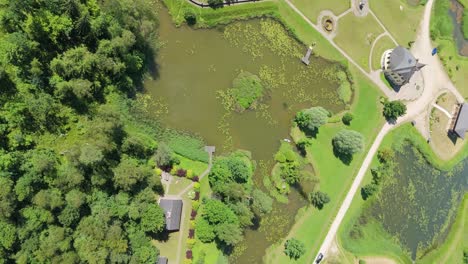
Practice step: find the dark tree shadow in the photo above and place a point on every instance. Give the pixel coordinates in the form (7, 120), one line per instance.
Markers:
(311, 133)
(300, 189)
(344, 157)
(162, 236)
(255, 223)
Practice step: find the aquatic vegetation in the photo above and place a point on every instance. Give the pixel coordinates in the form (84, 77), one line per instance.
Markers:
(271, 77)
(187, 146)
(246, 90)
(417, 204)
(279, 40)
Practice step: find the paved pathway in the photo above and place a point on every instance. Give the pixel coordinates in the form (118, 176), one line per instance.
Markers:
(377, 81)
(210, 150)
(373, 46)
(435, 79)
(352, 191)
(443, 110)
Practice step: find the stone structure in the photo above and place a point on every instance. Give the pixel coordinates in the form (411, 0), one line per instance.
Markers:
(399, 65)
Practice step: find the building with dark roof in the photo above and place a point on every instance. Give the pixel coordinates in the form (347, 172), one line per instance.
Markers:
(161, 260)
(399, 65)
(461, 124)
(173, 212)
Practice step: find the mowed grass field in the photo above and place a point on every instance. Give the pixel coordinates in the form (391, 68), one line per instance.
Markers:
(402, 24)
(383, 44)
(355, 36)
(312, 8)
(335, 177)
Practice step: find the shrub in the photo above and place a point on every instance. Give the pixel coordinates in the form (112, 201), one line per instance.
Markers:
(188, 254)
(195, 178)
(158, 171)
(215, 3)
(344, 92)
(193, 214)
(189, 174)
(196, 186)
(191, 241)
(192, 224)
(190, 17)
(294, 248)
(348, 142)
(181, 173)
(319, 199)
(368, 190)
(393, 109)
(246, 89)
(385, 155)
(355, 232)
(303, 144)
(195, 205)
(347, 118)
(197, 196)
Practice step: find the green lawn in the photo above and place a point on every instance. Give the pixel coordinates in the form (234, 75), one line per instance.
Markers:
(197, 167)
(312, 9)
(178, 184)
(169, 247)
(380, 47)
(402, 24)
(356, 35)
(335, 177)
(306, 34)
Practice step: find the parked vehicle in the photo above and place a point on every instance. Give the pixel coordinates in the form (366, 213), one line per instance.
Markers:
(319, 258)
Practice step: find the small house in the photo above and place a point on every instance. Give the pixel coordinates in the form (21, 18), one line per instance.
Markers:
(461, 122)
(173, 212)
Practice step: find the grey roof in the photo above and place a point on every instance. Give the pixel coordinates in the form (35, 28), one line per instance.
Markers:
(404, 63)
(161, 260)
(461, 125)
(173, 212)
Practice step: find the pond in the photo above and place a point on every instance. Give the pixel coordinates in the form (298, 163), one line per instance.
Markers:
(419, 203)
(456, 13)
(193, 65)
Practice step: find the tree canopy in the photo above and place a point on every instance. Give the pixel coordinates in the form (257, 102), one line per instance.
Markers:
(348, 142)
(294, 248)
(394, 109)
(75, 181)
(312, 118)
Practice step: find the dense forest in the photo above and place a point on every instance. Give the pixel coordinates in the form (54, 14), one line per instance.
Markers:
(76, 179)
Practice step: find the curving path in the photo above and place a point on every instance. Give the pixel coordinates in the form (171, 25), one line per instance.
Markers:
(373, 46)
(210, 150)
(389, 93)
(440, 108)
(436, 79)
